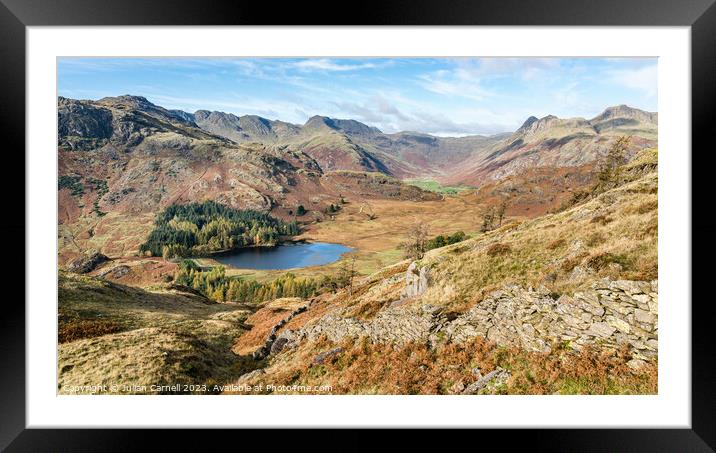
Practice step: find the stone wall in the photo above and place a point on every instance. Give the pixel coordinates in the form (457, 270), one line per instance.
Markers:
(274, 344)
(609, 314)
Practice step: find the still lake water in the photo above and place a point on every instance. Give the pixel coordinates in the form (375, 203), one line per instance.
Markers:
(284, 256)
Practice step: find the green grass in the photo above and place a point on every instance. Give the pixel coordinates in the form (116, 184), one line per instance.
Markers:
(590, 386)
(433, 186)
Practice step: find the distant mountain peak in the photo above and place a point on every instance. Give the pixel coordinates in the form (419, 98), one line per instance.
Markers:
(529, 122)
(623, 110)
(134, 101)
(534, 124)
(626, 112)
(350, 126)
(256, 125)
(619, 110)
(319, 121)
(130, 102)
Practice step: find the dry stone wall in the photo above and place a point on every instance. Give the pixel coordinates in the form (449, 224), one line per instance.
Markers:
(274, 344)
(609, 314)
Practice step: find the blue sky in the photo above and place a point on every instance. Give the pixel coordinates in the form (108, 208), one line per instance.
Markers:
(441, 96)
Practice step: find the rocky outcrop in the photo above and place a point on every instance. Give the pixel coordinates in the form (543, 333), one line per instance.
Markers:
(81, 125)
(610, 314)
(116, 272)
(87, 263)
(416, 281)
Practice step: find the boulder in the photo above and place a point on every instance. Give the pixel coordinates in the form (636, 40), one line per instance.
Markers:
(631, 287)
(278, 345)
(489, 382)
(260, 353)
(116, 272)
(87, 263)
(580, 273)
(323, 357)
(619, 324)
(636, 364)
(416, 281)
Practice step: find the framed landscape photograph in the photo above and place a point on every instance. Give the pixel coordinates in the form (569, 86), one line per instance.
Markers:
(402, 252)
(240, 226)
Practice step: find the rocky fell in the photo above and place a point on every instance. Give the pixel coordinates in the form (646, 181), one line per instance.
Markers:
(350, 145)
(339, 144)
(123, 157)
(556, 142)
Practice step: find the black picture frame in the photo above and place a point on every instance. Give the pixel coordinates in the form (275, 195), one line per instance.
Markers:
(16, 15)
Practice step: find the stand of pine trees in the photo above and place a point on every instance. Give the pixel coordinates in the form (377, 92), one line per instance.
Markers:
(215, 285)
(197, 229)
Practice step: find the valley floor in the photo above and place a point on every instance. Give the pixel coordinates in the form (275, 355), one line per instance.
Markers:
(377, 241)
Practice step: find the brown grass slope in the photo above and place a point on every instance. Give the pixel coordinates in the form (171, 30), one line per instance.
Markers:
(112, 334)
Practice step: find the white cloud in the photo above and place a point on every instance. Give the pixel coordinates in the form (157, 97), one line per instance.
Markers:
(468, 77)
(324, 64)
(643, 79)
(525, 68)
(388, 117)
(453, 83)
(249, 68)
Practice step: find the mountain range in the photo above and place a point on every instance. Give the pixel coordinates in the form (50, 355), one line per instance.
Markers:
(345, 144)
(125, 154)
(123, 159)
(349, 144)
